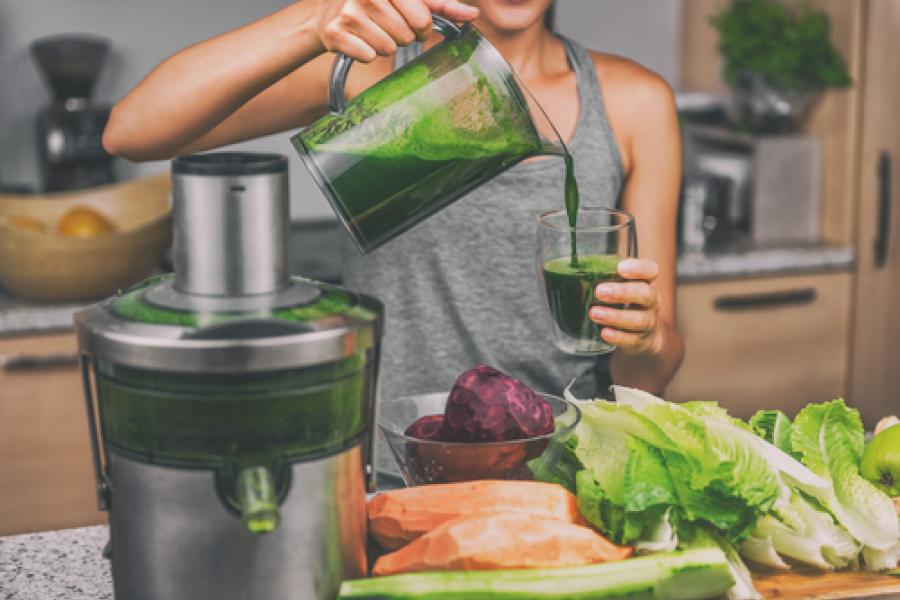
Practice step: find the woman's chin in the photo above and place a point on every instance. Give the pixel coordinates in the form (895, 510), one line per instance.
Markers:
(512, 15)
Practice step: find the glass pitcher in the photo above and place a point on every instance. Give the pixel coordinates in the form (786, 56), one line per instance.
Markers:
(422, 137)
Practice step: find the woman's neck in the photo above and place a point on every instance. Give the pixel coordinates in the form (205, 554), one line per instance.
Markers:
(527, 50)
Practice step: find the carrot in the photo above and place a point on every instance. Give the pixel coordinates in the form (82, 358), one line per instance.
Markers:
(501, 541)
(400, 516)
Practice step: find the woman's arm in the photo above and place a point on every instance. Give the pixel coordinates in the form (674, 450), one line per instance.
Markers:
(643, 115)
(263, 77)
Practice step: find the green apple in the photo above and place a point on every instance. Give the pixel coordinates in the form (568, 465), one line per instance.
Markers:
(881, 461)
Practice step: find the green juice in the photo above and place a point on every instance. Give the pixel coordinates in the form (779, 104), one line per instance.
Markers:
(234, 419)
(570, 291)
(382, 197)
(572, 202)
(420, 139)
(423, 137)
(228, 419)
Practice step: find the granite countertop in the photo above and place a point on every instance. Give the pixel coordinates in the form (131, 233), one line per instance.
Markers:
(744, 261)
(65, 564)
(22, 317)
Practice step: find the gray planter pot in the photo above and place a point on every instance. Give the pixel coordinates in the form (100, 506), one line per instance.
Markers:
(764, 108)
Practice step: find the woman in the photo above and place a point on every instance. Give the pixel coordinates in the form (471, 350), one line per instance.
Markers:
(460, 287)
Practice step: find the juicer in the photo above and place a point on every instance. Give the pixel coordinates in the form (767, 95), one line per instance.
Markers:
(231, 406)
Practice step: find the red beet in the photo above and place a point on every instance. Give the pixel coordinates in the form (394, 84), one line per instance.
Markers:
(425, 428)
(486, 405)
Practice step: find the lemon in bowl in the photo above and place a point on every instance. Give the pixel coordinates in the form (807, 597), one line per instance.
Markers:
(84, 222)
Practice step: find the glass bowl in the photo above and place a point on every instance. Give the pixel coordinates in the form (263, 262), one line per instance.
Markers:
(429, 461)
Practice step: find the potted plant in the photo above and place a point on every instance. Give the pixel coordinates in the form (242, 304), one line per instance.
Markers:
(777, 62)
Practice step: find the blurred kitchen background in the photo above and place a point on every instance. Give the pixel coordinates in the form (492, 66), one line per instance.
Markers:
(789, 266)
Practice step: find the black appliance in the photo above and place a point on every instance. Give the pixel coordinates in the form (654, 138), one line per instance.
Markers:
(703, 213)
(70, 129)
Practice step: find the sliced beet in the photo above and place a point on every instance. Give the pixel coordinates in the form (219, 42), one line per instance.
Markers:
(425, 428)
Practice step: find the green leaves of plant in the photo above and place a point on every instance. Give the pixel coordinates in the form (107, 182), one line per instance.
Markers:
(793, 52)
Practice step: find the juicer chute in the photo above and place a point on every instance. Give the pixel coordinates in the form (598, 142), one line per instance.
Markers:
(230, 400)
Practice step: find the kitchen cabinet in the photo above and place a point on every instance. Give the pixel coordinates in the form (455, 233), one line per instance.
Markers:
(875, 365)
(46, 473)
(778, 342)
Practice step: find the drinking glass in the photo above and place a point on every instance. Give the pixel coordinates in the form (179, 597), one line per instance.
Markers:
(602, 238)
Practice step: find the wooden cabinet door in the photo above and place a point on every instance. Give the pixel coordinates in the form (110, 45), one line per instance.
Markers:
(46, 473)
(875, 373)
(775, 342)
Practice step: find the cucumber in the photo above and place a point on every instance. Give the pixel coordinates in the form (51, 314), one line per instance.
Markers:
(687, 575)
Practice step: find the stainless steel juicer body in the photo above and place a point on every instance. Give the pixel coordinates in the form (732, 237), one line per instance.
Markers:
(231, 406)
(171, 538)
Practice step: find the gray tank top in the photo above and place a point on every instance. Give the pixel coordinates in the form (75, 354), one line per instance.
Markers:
(461, 287)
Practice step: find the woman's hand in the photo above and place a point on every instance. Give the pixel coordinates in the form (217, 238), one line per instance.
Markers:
(633, 329)
(364, 29)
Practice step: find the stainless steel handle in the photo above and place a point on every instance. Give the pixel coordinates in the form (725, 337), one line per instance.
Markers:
(103, 494)
(883, 234)
(27, 362)
(342, 63)
(369, 467)
(778, 299)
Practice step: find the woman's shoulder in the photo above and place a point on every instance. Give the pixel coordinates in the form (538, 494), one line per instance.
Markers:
(622, 76)
(638, 101)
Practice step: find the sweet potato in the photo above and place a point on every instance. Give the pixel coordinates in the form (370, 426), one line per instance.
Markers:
(501, 541)
(400, 516)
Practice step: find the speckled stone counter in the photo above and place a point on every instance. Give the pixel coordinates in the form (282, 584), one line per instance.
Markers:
(742, 262)
(22, 317)
(55, 565)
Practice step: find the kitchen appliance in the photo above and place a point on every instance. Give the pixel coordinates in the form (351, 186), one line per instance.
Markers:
(70, 129)
(775, 181)
(703, 218)
(422, 137)
(232, 429)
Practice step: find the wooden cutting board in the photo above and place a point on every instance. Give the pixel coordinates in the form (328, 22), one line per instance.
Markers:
(816, 585)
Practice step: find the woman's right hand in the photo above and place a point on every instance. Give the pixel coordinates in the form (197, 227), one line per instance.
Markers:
(364, 29)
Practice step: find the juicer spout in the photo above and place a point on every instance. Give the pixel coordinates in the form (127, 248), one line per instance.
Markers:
(257, 498)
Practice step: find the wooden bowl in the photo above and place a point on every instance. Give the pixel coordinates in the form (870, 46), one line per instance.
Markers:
(47, 265)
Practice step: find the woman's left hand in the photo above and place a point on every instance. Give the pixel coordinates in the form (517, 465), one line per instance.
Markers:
(633, 329)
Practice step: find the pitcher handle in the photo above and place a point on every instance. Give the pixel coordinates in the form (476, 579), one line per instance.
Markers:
(341, 67)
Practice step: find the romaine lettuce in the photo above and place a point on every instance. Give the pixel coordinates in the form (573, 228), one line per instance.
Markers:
(829, 438)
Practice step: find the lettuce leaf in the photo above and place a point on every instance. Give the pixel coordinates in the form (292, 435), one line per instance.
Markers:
(804, 533)
(653, 474)
(705, 537)
(773, 426)
(719, 477)
(829, 438)
(625, 489)
(882, 560)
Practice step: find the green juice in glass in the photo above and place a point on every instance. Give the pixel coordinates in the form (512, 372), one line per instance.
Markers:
(570, 295)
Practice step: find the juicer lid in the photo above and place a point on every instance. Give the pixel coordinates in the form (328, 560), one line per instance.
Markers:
(135, 329)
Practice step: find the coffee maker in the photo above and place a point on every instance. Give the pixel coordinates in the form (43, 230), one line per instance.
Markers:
(70, 129)
(231, 406)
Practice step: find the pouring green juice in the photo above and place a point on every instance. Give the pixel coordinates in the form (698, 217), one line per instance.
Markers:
(424, 136)
(427, 134)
